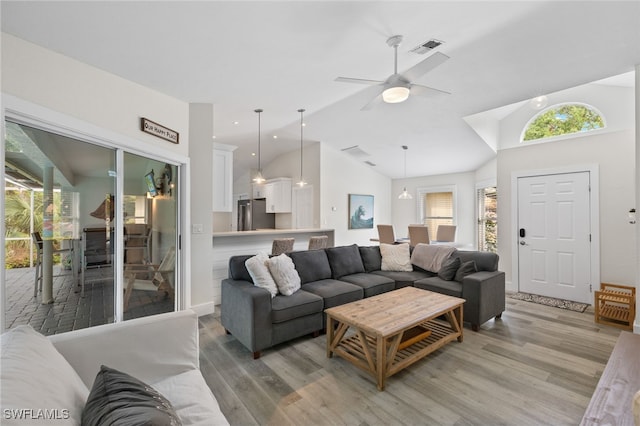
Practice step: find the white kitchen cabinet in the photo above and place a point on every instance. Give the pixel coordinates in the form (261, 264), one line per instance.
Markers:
(278, 195)
(222, 178)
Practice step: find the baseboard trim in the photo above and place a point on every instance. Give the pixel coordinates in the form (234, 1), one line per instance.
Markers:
(204, 308)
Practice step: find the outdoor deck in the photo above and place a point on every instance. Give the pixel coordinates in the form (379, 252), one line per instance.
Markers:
(69, 311)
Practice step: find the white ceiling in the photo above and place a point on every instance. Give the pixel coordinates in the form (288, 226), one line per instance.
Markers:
(282, 56)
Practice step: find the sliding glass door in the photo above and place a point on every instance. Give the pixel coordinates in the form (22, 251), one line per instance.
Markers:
(150, 212)
(87, 227)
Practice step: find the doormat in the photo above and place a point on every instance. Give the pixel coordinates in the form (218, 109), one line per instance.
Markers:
(549, 301)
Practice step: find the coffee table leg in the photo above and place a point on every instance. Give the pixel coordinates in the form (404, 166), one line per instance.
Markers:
(380, 361)
(330, 336)
(458, 313)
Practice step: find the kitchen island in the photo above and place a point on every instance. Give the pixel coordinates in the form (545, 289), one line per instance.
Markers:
(232, 243)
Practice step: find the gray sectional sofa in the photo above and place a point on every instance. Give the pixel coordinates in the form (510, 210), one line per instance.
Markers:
(337, 275)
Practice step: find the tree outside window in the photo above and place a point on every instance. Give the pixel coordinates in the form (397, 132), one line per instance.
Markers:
(563, 120)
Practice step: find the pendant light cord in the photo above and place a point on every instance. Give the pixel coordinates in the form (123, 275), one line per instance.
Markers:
(301, 111)
(259, 111)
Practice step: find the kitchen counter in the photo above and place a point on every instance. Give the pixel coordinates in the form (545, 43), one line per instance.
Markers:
(271, 232)
(231, 243)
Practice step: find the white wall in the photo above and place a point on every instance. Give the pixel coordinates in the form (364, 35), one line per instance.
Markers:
(614, 153)
(51, 86)
(342, 175)
(200, 152)
(62, 84)
(405, 212)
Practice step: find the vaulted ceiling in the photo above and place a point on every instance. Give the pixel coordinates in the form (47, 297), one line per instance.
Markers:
(285, 55)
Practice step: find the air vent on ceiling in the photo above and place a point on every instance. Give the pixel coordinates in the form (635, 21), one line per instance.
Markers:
(428, 46)
(356, 151)
(370, 163)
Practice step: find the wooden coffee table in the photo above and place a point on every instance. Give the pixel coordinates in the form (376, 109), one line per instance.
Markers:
(393, 330)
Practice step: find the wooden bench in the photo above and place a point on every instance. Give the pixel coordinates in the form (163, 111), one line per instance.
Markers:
(612, 401)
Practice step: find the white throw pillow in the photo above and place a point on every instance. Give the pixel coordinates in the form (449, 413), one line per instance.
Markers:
(395, 257)
(259, 272)
(37, 381)
(284, 273)
(192, 399)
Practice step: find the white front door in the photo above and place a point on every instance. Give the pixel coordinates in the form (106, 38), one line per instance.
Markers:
(554, 236)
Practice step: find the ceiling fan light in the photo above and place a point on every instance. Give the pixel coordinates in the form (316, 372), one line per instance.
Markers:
(395, 94)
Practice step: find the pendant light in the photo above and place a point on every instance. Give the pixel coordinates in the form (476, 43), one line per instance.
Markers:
(301, 183)
(258, 177)
(404, 195)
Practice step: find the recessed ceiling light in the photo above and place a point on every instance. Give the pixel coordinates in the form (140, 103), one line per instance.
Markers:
(213, 137)
(253, 154)
(236, 122)
(275, 136)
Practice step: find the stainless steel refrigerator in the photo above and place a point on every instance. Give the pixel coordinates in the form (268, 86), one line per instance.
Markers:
(252, 214)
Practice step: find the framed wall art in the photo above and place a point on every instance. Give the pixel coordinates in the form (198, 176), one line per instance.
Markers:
(360, 211)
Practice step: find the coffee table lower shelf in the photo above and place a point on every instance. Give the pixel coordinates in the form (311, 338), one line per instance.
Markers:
(396, 357)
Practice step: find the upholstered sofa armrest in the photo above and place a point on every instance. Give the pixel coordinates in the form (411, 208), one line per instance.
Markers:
(484, 292)
(149, 348)
(246, 313)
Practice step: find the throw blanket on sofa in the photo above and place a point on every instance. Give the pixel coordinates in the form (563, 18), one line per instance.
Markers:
(430, 257)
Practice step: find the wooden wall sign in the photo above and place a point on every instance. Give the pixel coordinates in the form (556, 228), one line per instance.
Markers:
(158, 130)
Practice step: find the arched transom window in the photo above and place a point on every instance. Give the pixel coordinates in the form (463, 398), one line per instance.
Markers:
(561, 120)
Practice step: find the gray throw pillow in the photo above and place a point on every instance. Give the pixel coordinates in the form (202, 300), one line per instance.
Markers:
(345, 260)
(465, 269)
(371, 258)
(449, 268)
(116, 398)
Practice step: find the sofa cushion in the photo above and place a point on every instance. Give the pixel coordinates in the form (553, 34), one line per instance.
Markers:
(237, 268)
(299, 304)
(334, 292)
(284, 274)
(449, 268)
(485, 260)
(118, 398)
(465, 269)
(431, 257)
(345, 260)
(437, 284)
(312, 265)
(259, 272)
(371, 258)
(35, 375)
(404, 278)
(192, 399)
(372, 284)
(395, 257)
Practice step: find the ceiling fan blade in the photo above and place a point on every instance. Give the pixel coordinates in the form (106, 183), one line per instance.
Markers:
(358, 80)
(377, 100)
(420, 90)
(421, 68)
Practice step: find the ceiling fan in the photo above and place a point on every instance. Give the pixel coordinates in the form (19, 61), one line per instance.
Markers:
(397, 87)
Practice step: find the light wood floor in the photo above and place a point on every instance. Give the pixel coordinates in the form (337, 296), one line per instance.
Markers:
(538, 365)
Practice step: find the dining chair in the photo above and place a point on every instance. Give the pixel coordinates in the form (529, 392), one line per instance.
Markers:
(282, 245)
(38, 242)
(386, 235)
(97, 253)
(318, 242)
(446, 233)
(150, 277)
(418, 234)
